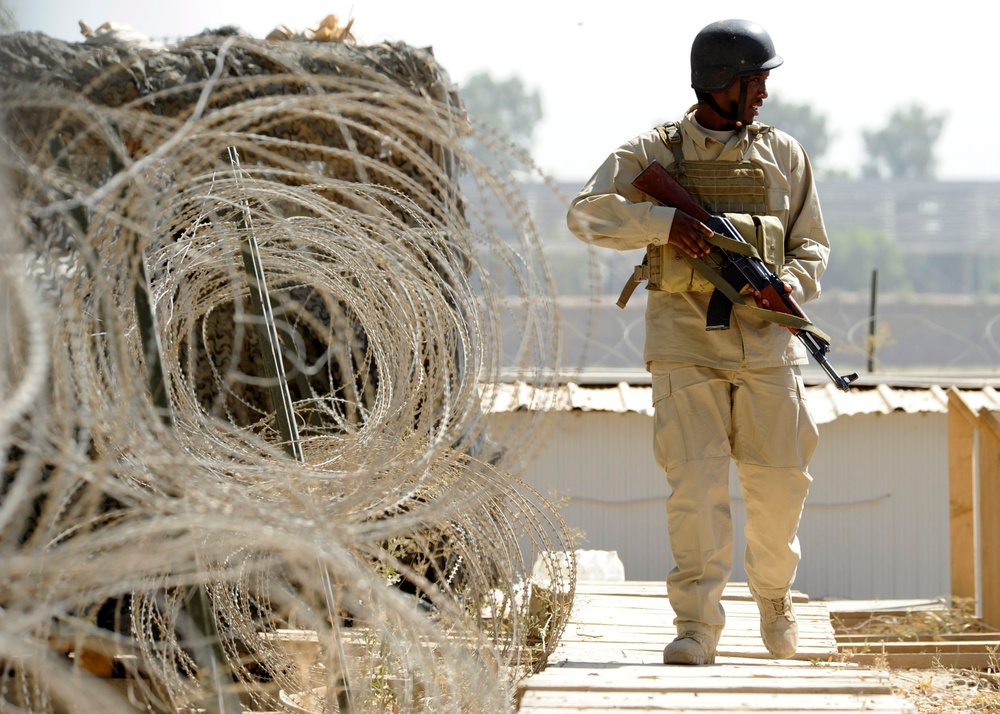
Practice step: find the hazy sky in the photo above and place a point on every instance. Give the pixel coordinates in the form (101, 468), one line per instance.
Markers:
(609, 70)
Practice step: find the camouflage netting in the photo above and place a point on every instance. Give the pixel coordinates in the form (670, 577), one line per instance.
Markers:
(254, 296)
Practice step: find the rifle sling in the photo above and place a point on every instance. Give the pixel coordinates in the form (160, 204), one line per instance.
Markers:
(725, 294)
(728, 291)
(639, 274)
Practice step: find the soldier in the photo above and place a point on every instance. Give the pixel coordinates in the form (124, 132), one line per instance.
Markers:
(722, 394)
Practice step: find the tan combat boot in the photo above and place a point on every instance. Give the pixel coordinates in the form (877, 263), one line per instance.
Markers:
(778, 627)
(692, 647)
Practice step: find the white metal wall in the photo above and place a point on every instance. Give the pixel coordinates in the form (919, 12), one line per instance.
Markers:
(877, 519)
(875, 524)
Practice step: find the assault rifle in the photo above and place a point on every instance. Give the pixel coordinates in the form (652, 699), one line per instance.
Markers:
(738, 265)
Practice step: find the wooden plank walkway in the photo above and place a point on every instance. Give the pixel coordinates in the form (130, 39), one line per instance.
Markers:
(611, 658)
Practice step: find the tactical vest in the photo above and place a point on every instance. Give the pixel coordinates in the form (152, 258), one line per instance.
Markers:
(737, 189)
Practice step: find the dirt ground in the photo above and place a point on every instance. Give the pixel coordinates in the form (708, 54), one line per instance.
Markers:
(945, 691)
(940, 690)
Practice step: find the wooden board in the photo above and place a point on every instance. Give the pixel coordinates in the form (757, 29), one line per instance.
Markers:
(961, 495)
(611, 657)
(987, 639)
(989, 510)
(569, 701)
(926, 660)
(728, 675)
(927, 647)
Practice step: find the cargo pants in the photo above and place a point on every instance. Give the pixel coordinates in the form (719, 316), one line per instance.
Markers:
(703, 418)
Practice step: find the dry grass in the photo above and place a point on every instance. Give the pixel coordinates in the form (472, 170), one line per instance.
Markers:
(947, 691)
(923, 624)
(939, 690)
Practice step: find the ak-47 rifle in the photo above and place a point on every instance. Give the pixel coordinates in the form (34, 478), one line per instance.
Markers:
(739, 265)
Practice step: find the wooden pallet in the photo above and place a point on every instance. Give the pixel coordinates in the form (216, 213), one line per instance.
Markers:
(961, 650)
(610, 657)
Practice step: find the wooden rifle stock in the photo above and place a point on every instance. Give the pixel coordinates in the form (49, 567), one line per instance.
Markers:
(659, 183)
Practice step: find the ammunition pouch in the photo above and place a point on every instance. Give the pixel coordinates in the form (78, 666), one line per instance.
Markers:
(737, 190)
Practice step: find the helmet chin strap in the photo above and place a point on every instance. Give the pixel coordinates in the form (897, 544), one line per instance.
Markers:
(741, 106)
(736, 111)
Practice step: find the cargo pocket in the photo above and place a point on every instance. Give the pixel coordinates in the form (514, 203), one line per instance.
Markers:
(663, 414)
(661, 387)
(770, 236)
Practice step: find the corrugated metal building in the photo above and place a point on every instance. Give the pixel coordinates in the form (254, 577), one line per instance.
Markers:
(876, 523)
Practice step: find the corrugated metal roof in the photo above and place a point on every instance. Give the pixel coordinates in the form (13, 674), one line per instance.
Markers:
(827, 403)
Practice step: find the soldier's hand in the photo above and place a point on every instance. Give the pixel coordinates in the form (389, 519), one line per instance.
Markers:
(687, 234)
(764, 303)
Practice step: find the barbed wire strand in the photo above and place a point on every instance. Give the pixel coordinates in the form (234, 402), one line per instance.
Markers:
(149, 512)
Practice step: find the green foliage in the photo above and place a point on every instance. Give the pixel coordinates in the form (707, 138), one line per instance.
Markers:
(856, 252)
(800, 121)
(8, 19)
(904, 148)
(965, 272)
(507, 106)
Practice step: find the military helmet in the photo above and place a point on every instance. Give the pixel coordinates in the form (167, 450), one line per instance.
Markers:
(727, 49)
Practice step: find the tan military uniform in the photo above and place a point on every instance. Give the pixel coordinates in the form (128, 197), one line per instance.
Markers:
(720, 394)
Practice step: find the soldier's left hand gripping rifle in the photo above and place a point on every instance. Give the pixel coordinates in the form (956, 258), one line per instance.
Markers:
(737, 264)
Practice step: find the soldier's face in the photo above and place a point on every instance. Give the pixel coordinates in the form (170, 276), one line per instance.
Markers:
(756, 94)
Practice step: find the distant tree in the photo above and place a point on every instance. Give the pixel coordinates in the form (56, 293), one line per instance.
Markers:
(802, 122)
(507, 106)
(857, 251)
(904, 148)
(8, 21)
